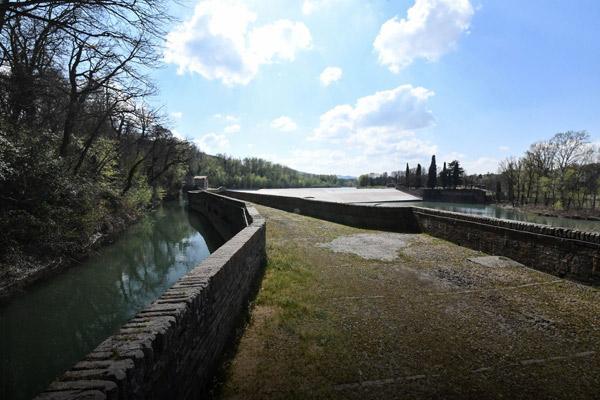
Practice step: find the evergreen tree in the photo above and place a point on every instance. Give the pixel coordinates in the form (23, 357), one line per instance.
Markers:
(407, 176)
(418, 176)
(444, 177)
(432, 178)
(457, 173)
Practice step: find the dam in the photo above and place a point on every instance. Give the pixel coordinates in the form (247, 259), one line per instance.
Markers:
(172, 347)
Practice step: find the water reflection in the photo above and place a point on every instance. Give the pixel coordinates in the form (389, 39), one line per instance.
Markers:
(56, 323)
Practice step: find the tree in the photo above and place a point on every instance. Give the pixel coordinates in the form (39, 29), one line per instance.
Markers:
(572, 150)
(444, 176)
(498, 191)
(418, 176)
(104, 45)
(507, 169)
(407, 176)
(432, 177)
(457, 173)
(363, 180)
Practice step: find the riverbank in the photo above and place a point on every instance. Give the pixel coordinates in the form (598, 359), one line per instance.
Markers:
(586, 214)
(351, 313)
(19, 268)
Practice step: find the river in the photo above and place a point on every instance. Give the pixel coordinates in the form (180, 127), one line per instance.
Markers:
(502, 213)
(45, 331)
(397, 198)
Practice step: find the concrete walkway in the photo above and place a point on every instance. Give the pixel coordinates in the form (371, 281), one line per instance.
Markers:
(353, 314)
(342, 195)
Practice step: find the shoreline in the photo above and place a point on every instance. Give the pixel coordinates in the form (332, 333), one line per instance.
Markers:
(33, 270)
(585, 215)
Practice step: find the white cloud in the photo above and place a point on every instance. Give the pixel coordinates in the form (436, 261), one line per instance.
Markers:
(310, 6)
(229, 118)
(178, 114)
(323, 161)
(481, 166)
(232, 128)
(330, 75)
(448, 158)
(382, 123)
(177, 134)
(217, 43)
(212, 143)
(504, 148)
(430, 29)
(284, 124)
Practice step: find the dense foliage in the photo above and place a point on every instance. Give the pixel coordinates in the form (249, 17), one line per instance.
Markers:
(81, 152)
(562, 173)
(251, 173)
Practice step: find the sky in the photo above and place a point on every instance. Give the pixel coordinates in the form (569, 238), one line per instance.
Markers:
(350, 87)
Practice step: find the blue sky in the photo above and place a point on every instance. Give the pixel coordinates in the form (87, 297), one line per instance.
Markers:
(352, 87)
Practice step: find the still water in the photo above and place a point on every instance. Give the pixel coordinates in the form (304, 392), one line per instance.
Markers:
(57, 322)
(502, 213)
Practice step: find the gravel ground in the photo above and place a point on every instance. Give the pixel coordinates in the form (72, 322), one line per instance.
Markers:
(345, 313)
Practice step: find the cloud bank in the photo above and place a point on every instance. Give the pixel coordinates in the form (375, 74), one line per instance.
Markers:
(381, 123)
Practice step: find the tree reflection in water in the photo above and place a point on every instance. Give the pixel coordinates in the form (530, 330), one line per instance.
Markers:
(56, 323)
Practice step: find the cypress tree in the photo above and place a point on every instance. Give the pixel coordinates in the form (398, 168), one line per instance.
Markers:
(418, 176)
(432, 178)
(444, 176)
(407, 176)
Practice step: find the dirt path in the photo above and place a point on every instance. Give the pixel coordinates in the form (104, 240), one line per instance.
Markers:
(348, 313)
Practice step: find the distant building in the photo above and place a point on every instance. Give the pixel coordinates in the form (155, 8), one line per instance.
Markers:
(201, 182)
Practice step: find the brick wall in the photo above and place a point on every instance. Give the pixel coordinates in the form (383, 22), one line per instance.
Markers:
(172, 348)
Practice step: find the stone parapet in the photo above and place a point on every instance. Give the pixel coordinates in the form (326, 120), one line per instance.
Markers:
(562, 252)
(172, 348)
(393, 219)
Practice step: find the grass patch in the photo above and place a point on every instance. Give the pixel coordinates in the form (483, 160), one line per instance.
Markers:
(335, 325)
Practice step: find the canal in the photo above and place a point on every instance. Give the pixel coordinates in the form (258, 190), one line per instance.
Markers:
(45, 331)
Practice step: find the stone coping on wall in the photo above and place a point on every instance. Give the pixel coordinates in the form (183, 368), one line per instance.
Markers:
(172, 348)
(566, 233)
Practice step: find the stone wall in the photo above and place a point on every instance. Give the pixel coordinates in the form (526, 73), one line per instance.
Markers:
(393, 219)
(172, 348)
(227, 216)
(469, 196)
(562, 252)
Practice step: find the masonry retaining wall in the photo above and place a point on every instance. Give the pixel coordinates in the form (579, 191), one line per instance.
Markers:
(171, 349)
(393, 219)
(562, 252)
(470, 196)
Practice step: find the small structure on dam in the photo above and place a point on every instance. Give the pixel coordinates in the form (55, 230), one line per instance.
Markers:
(201, 182)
